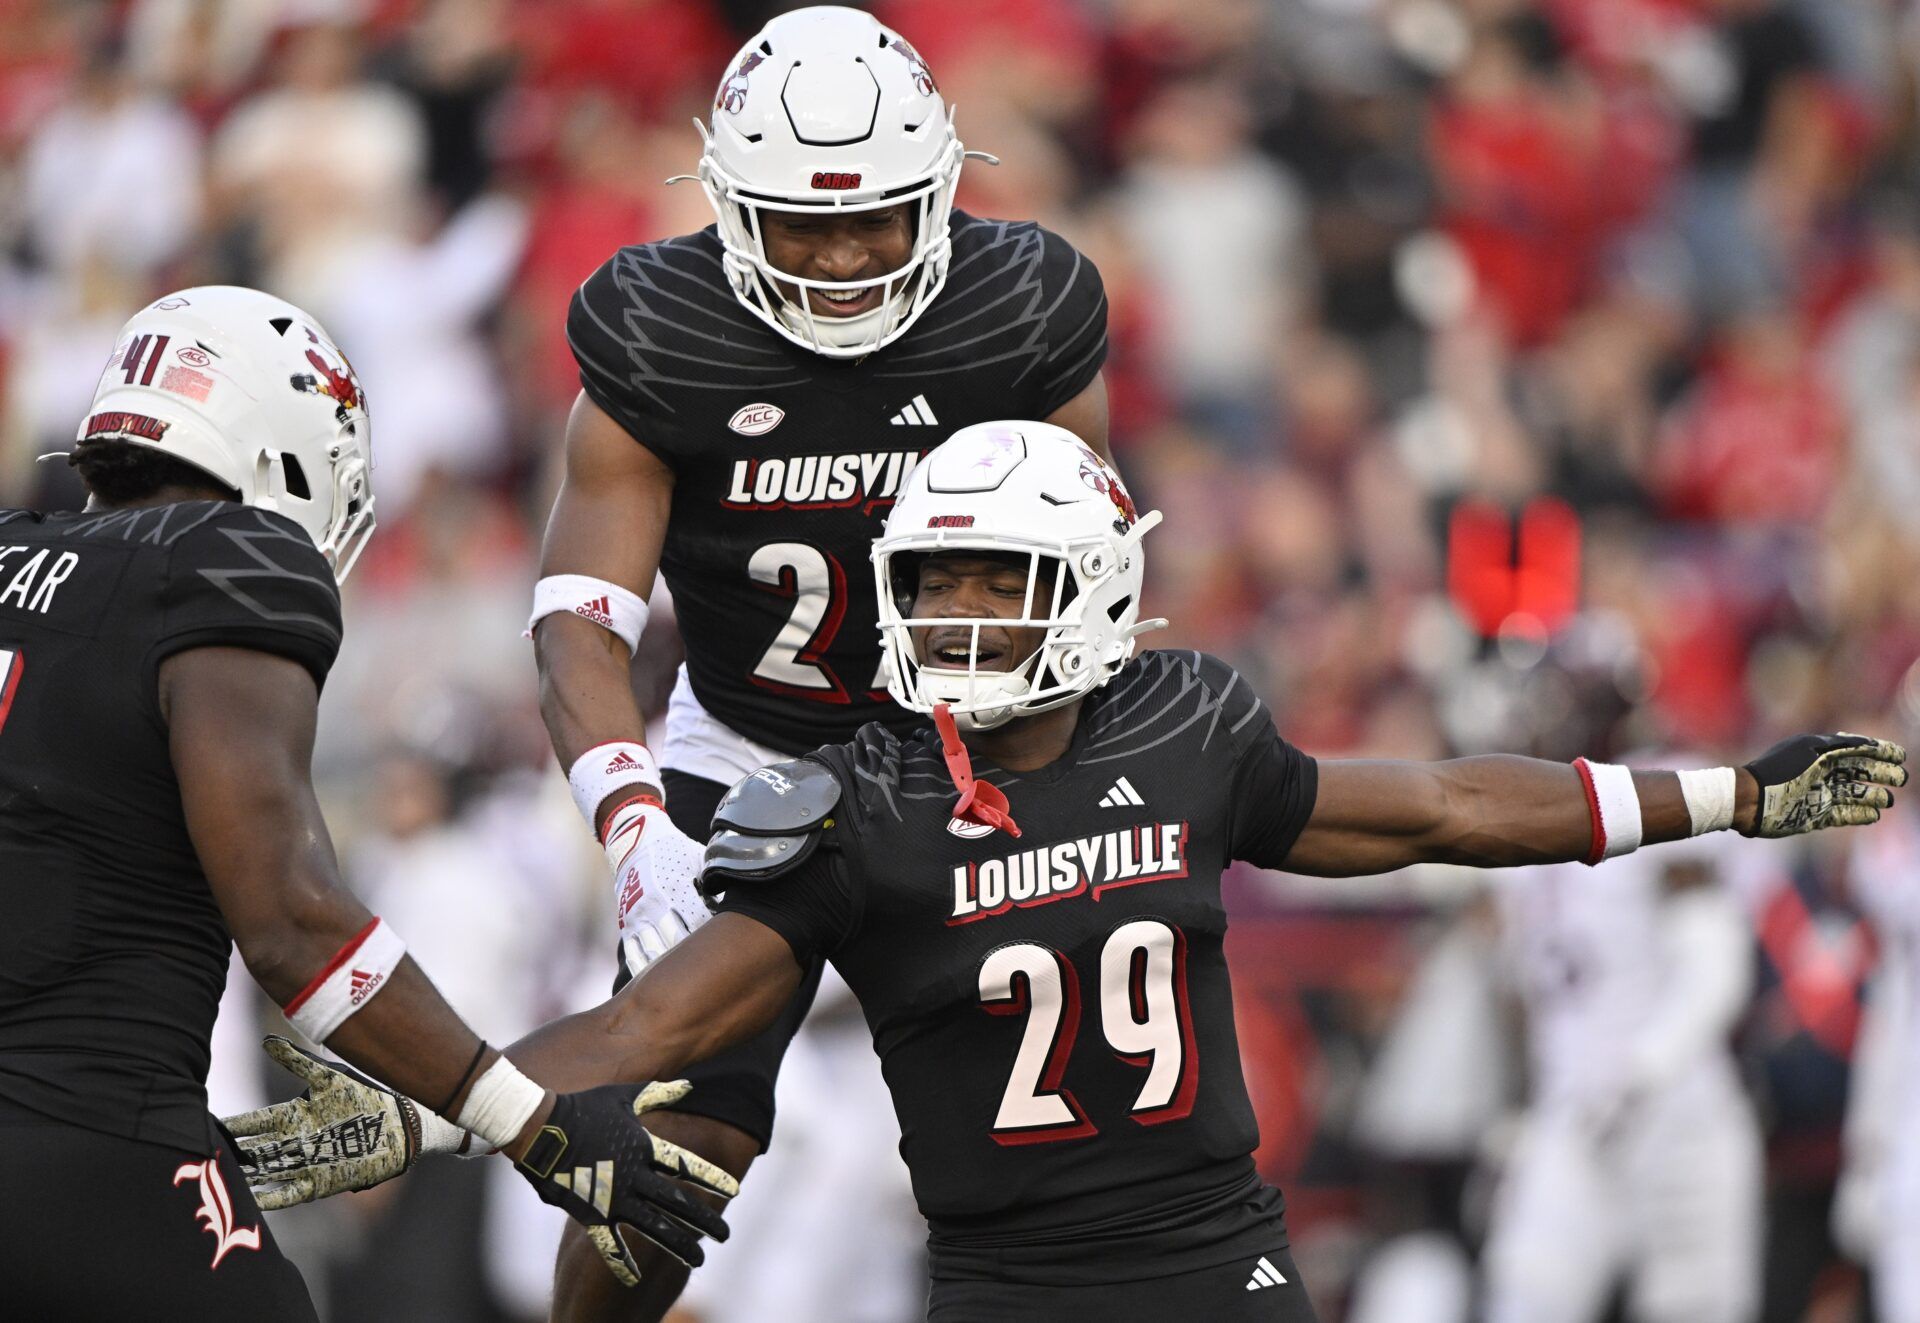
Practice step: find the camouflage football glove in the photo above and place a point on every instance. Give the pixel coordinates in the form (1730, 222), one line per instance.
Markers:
(344, 1133)
(1815, 781)
(593, 1159)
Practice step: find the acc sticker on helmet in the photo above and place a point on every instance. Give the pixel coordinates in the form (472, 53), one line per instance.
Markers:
(757, 419)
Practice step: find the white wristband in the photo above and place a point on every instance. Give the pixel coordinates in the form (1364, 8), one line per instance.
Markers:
(1709, 794)
(607, 605)
(500, 1104)
(605, 768)
(357, 971)
(1615, 806)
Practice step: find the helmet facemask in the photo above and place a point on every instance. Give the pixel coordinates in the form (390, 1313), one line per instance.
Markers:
(905, 292)
(1074, 592)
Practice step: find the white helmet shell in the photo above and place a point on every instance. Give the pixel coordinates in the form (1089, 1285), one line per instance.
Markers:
(250, 390)
(1031, 489)
(826, 110)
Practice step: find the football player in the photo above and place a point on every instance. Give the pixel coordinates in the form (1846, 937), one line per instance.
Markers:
(754, 396)
(1024, 893)
(1640, 1158)
(161, 657)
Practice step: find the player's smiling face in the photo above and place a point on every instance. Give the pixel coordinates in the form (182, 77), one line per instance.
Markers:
(843, 247)
(978, 585)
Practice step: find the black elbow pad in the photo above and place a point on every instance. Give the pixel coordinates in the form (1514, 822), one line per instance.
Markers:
(769, 824)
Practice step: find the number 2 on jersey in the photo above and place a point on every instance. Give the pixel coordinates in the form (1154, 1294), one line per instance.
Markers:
(1143, 1013)
(792, 664)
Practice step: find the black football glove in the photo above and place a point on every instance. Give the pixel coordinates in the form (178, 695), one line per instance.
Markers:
(596, 1161)
(1813, 781)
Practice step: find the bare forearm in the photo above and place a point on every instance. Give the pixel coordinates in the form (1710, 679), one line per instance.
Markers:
(586, 687)
(715, 990)
(1487, 812)
(607, 524)
(404, 1032)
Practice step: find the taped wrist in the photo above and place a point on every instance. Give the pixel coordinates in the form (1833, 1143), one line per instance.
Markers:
(1709, 794)
(438, 1135)
(500, 1104)
(606, 604)
(606, 768)
(1615, 807)
(357, 971)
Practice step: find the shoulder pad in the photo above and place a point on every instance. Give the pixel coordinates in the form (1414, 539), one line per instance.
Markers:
(770, 823)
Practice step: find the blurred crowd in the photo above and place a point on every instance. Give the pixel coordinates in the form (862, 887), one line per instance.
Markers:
(1521, 374)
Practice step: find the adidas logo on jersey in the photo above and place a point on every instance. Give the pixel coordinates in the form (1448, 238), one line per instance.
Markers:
(917, 414)
(599, 611)
(1265, 1275)
(363, 983)
(1155, 852)
(820, 482)
(1123, 795)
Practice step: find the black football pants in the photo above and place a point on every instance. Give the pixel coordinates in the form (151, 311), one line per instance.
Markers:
(98, 1228)
(1257, 1289)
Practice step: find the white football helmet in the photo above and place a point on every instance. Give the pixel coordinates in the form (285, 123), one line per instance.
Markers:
(249, 389)
(1032, 489)
(828, 110)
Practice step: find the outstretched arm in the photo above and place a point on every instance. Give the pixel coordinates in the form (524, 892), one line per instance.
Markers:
(1499, 810)
(1487, 812)
(240, 726)
(720, 987)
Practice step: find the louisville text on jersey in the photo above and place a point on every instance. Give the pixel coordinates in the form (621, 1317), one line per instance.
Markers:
(1153, 852)
(869, 478)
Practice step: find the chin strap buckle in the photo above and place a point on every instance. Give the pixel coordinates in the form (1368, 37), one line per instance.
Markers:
(979, 802)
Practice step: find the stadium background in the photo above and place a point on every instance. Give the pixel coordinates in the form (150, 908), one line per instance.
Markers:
(1521, 375)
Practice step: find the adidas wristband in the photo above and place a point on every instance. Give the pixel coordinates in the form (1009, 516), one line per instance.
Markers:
(607, 605)
(606, 768)
(1615, 806)
(357, 971)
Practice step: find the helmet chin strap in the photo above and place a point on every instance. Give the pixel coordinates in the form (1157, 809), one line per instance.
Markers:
(980, 802)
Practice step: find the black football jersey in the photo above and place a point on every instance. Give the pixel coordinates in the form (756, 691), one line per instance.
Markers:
(785, 461)
(113, 953)
(1052, 1011)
